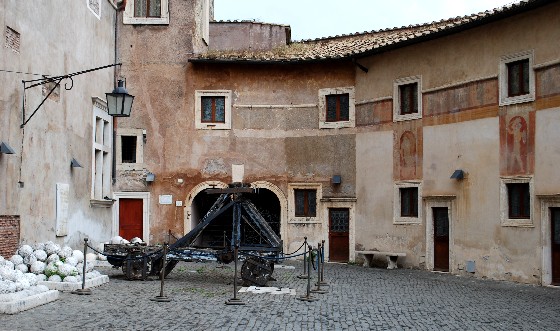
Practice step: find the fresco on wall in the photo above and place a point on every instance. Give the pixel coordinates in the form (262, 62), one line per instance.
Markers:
(517, 144)
(407, 152)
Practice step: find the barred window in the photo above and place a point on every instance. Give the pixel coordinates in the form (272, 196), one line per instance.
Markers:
(128, 149)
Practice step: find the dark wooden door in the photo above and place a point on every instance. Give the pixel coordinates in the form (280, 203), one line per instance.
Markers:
(339, 243)
(441, 238)
(555, 244)
(130, 218)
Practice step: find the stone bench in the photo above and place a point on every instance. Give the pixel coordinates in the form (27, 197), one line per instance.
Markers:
(391, 257)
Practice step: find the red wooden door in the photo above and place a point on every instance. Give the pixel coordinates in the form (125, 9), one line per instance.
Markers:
(555, 244)
(441, 238)
(339, 243)
(130, 218)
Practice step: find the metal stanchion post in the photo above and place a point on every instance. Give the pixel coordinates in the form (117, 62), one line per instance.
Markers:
(83, 290)
(161, 297)
(304, 275)
(235, 300)
(322, 281)
(319, 264)
(308, 297)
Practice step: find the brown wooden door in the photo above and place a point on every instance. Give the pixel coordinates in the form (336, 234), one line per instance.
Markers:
(441, 238)
(130, 218)
(339, 243)
(555, 244)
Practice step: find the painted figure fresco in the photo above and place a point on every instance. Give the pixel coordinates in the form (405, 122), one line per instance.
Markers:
(408, 155)
(517, 145)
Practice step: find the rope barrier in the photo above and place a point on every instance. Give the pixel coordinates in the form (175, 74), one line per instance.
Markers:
(297, 250)
(272, 258)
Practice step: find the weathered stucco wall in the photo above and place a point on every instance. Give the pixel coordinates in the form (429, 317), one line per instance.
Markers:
(228, 36)
(462, 127)
(469, 55)
(275, 133)
(53, 42)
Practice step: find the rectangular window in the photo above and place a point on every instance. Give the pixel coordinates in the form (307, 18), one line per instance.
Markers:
(518, 78)
(408, 95)
(147, 8)
(409, 201)
(101, 152)
(305, 203)
(128, 149)
(213, 109)
(519, 202)
(338, 107)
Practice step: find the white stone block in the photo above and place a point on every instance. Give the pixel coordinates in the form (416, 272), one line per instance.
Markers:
(32, 301)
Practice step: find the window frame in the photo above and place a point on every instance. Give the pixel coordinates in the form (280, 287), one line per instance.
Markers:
(338, 107)
(411, 191)
(139, 134)
(503, 78)
(397, 84)
(505, 217)
(323, 122)
(101, 167)
(129, 18)
(306, 205)
(213, 98)
(199, 124)
(292, 187)
(397, 203)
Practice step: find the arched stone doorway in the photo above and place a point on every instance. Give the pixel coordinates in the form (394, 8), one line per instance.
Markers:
(268, 198)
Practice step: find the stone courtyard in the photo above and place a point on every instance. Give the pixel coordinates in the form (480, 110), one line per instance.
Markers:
(358, 298)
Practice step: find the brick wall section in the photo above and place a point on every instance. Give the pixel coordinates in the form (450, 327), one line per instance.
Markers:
(12, 39)
(9, 234)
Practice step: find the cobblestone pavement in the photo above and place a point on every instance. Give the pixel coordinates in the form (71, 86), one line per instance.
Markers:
(358, 299)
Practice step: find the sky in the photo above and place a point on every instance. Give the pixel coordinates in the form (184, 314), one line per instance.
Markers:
(310, 19)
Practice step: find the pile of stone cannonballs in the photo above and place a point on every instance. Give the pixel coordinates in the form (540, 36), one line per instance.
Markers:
(43, 262)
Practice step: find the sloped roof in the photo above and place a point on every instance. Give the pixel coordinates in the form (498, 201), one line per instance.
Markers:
(365, 43)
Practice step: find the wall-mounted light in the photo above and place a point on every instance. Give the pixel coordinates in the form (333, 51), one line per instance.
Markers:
(336, 179)
(75, 164)
(119, 102)
(458, 174)
(150, 177)
(6, 149)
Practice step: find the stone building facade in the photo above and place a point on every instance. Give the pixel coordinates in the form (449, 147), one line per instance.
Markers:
(436, 141)
(353, 139)
(41, 196)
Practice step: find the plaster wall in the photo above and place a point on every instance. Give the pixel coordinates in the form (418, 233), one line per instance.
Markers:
(469, 55)
(547, 154)
(499, 252)
(374, 208)
(275, 132)
(230, 36)
(56, 38)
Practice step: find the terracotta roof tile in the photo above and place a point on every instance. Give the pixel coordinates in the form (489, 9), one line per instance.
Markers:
(346, 46)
